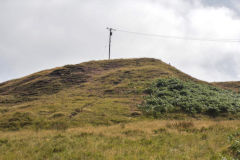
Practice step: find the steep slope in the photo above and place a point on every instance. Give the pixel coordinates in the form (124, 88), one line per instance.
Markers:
(96, 92)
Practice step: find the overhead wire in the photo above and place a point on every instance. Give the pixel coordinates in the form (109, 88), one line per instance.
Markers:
(179, 37)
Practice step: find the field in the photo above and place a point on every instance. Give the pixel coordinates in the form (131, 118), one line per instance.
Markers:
(147, 139)
(92, 111)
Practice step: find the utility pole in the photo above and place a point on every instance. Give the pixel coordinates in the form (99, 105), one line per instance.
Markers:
(110, 41)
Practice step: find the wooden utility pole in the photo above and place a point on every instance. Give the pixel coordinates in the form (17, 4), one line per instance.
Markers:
(110, 41)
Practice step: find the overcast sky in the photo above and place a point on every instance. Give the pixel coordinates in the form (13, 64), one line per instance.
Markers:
(42, 34)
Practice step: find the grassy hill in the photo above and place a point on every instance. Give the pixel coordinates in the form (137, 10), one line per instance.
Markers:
(234, 86)
(96, 92)
(90, 111)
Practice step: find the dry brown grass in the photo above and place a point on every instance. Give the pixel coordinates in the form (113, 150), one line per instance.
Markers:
(151, 139)
(234, 85)
(146, 126)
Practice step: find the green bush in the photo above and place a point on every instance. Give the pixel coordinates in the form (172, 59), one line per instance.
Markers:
(174, 95)
(234, 148)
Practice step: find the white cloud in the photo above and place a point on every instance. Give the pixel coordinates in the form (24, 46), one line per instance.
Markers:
(40, 34)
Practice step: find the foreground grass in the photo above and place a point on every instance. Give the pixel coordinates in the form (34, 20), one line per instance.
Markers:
(149, 139)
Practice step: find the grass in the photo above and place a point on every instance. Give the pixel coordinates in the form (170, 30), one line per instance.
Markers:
(95, 93)
(89, 111)
(148, 139)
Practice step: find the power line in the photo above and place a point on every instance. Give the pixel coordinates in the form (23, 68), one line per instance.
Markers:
(179, 37)
(167, 37)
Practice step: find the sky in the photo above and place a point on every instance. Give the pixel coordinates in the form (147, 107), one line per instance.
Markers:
(42, 34)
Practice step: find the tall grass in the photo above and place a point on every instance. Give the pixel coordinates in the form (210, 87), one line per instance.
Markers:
(151, 139)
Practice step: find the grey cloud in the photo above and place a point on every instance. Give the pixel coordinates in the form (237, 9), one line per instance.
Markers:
(226, 64)
(232, 4)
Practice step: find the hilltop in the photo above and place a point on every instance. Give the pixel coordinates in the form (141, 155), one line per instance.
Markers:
(112, 72)
(96, 92)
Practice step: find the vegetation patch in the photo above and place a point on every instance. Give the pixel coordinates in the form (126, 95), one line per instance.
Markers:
(234, 148)
(3, 141)
(16, 121)
(150, 139)
(172, 95)
(58, 115)
(59, 125)
(160, 130)
(181, 125)
(135, 132)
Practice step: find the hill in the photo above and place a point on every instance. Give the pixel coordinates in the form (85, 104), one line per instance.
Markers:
(233, 85)
(91, 111)
(95, 92)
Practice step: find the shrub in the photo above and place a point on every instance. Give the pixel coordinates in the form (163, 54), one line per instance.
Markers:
(234, 148)
(174, 95)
